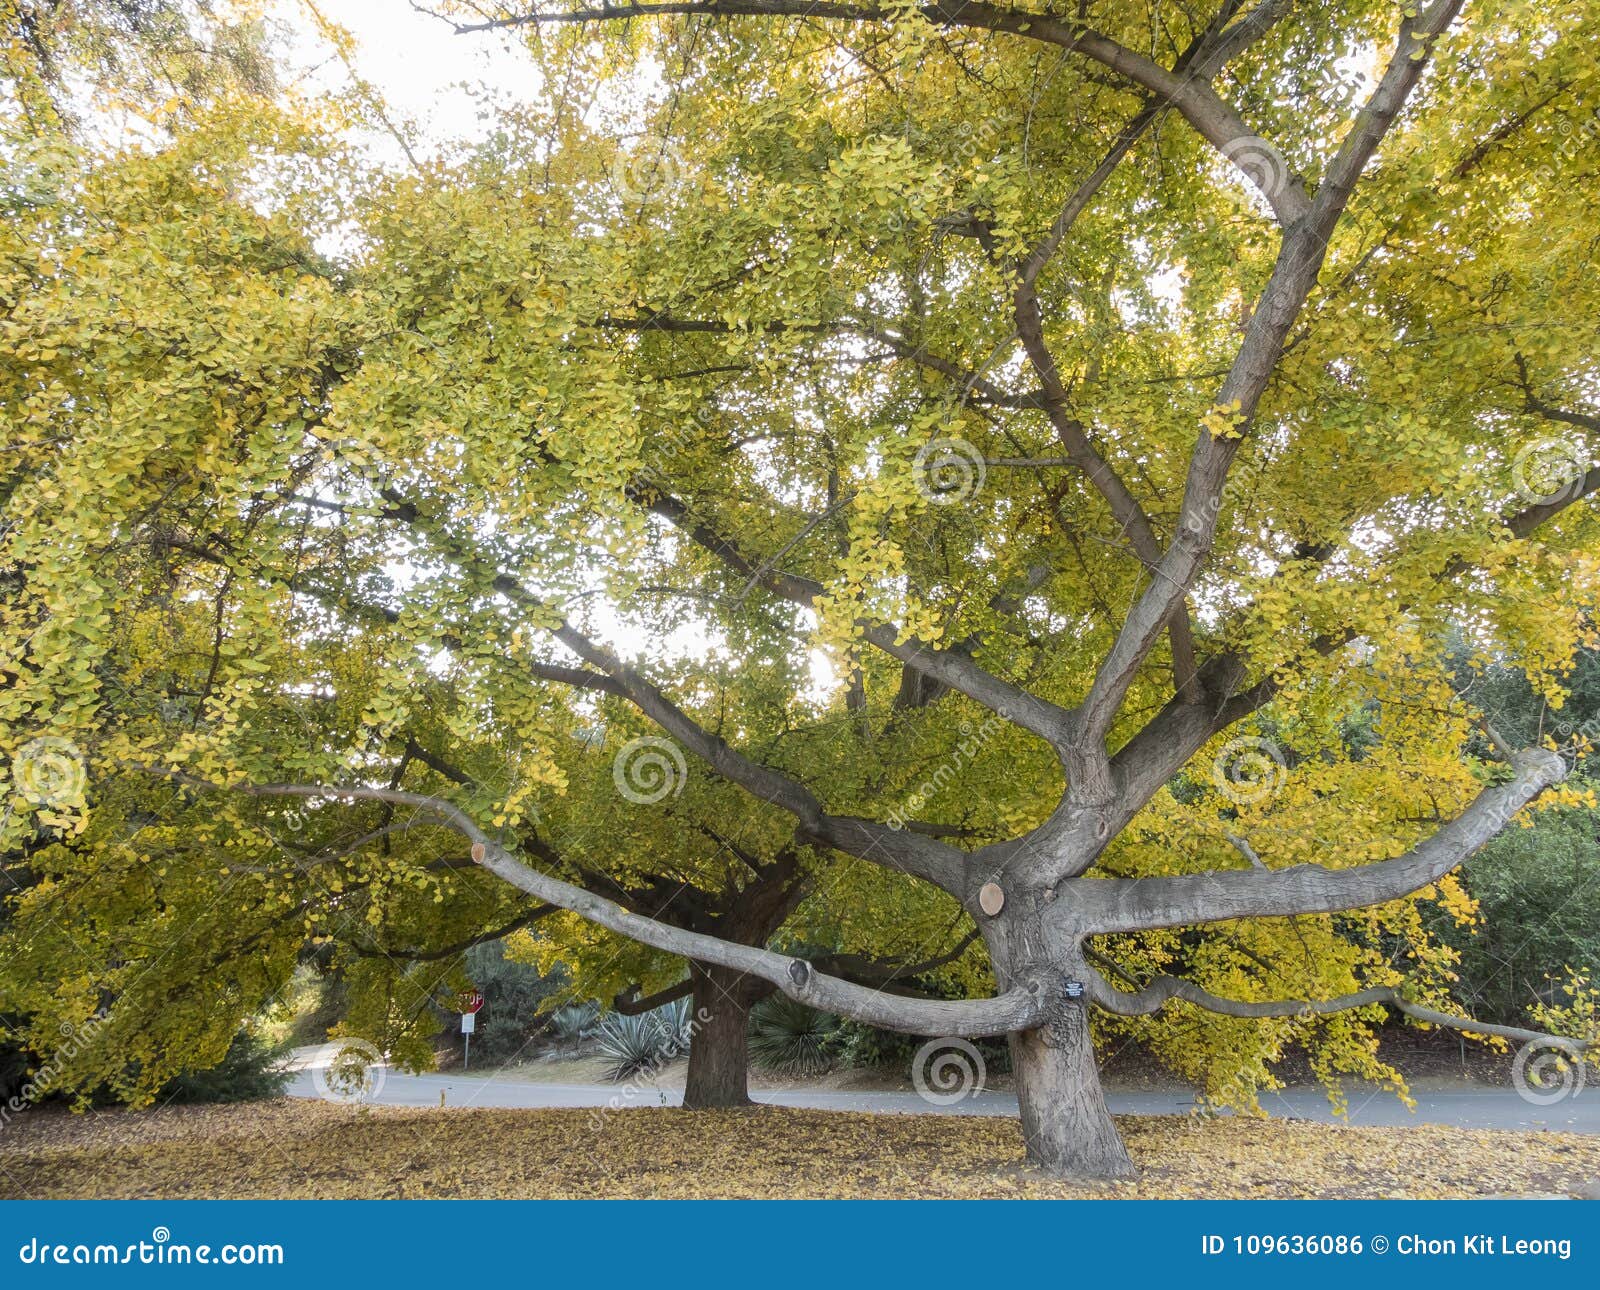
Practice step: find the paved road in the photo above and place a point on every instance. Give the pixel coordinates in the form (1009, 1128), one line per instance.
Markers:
(1464, 1108)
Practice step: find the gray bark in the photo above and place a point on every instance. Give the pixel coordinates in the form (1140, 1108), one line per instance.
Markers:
(1066, 1128)
(1100, 905)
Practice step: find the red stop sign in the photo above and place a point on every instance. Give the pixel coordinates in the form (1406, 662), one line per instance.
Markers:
(471, 1000)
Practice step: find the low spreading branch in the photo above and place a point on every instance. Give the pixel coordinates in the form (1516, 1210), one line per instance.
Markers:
(1163, 989)
(1018, 1009)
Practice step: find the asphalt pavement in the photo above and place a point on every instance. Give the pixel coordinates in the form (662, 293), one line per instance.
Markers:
(1468, 1108)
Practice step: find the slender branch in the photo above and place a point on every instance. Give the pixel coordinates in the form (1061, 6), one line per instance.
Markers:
(950, 667)
(1300, 259)
(461, 947)
(1163, 989)
(1212, 117)
(630, 1004)
(866, 839)
(880, 973)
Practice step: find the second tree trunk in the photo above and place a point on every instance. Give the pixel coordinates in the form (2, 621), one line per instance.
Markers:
(718, 1056)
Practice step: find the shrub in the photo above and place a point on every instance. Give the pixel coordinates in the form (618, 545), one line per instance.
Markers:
(512, 993)
(574, 1021)
(857, 1044)
(251, 1069)
(788, 1037)
(1530, 886)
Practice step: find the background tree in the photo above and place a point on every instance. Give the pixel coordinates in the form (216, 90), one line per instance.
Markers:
(997, 357)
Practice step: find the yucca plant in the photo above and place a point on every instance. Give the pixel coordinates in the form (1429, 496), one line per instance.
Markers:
(788, 1037)
(643, 1044)
(574, 1021)
(676, 1031)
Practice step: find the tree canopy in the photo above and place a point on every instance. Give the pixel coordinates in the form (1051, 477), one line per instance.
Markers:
(1028, 459)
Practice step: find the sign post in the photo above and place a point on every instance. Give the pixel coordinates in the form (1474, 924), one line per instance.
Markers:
(471, 1001)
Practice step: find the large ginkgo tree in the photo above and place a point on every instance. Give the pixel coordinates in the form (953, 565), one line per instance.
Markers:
(1040, 455)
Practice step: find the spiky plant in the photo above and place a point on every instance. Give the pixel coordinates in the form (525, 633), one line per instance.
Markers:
(574, 1021)
(788, 1037)
(632, 1045)
(676, 1030)
(643, 1044)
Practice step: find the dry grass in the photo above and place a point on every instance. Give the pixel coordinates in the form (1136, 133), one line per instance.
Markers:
(310, 1149)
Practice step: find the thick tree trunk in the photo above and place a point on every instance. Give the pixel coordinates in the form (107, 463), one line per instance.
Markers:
(1066, 1127)
(718, 1058)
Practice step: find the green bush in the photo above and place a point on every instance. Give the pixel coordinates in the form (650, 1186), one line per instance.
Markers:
(13, 1062)
(788, 1037)
(642, 1044)
(512, 992)
(857, 1044)
(573, 1022)
(1538, 891)
(252, 1069)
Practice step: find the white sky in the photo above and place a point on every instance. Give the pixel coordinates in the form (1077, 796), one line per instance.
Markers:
(428, 75)
(420, 68)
